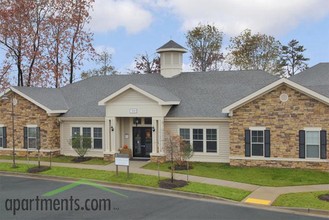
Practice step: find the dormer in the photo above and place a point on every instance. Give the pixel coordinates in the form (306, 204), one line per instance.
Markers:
(171, 58)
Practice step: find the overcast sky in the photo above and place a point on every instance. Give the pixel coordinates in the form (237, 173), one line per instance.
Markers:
(130, 27)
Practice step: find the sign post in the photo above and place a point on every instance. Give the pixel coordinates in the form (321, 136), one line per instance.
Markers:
(121, 160)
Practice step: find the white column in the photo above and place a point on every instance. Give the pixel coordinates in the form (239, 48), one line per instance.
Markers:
(162, 135)
(107, 147)
(154, 136)
(112, 128)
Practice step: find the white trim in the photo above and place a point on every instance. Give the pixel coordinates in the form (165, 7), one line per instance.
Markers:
(49, 111)
(229, 109)
(131, 86)
(195, 119)
(257, 128)
(319, 143)
(82, 119)
(2, 125)
(183, 50)
(280, 159)
(31, 126)
(312, 129)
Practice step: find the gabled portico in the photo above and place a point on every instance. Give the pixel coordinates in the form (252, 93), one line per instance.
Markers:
(136, 106)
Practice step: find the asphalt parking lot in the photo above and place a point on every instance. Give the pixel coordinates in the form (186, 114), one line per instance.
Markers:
(28, 198)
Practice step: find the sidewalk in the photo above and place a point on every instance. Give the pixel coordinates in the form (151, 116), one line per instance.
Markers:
(260, 195)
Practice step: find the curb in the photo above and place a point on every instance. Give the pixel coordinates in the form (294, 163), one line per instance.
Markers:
(180, 194)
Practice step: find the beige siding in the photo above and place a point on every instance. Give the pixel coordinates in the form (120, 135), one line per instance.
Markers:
(144, 106)
(223, 139)
(66, 129)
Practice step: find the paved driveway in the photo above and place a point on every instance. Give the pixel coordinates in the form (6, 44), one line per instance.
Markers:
(72, 200)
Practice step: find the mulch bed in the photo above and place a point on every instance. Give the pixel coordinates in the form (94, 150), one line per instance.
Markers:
(167, 184)
(80, 159)
(324, 197)
(38, 169)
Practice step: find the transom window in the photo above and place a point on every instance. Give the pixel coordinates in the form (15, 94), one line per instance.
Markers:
(202, 140)
(257, 142)
(312, 143)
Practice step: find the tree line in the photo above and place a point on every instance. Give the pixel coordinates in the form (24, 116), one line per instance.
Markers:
(46, 42)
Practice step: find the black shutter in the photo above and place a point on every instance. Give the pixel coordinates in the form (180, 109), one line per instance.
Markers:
(4, 130)
(301, 144)
(323, 144)
(38, 137)
(267, 143)
(25, 137)
(247, 143)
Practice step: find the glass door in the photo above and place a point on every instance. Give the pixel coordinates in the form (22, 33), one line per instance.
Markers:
(142, 141)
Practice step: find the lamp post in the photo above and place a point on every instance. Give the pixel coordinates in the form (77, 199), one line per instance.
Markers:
(13, 101)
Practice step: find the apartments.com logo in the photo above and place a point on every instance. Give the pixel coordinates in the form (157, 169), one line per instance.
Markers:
(71, 203)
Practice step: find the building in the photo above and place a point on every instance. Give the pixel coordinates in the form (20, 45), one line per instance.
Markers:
(246, 118)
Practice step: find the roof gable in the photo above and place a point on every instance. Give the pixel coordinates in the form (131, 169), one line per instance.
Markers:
(229, 109)
(159, 95)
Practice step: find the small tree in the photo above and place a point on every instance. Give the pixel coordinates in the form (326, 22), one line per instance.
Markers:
(177, 152)
(81, 144)
(187, 153)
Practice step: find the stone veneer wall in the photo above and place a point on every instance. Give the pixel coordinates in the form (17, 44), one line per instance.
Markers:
(284, 119)
(28, 113)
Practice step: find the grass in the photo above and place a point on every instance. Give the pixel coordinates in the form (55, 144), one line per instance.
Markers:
(253, 175)
(134, 179)
(302, 200)
(218, 191)
(60, 159)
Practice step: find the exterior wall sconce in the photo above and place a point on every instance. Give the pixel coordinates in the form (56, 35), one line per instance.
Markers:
(153, 129)
(112, 128)
(136, 120)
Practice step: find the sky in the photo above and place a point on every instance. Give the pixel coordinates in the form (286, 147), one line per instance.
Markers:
(127, 28)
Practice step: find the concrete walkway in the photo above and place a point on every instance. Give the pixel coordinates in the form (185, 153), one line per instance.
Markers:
(260, 195)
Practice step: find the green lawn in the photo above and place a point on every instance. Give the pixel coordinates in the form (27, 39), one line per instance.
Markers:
(253, 175)
(302, 200)
(61, 159)
(134, 179)
(219, 191)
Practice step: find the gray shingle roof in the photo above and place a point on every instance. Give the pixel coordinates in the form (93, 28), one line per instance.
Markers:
(201, 94)
(159, 92)
(49, 97)
(171, 44)
(315, 78)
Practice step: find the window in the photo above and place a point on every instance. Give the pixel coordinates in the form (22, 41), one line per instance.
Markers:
(211, 140)
(257, 143)
(312, 143)
(98, 142)
(198, 140)
(202, 140)
(3, 137)
(31, 137)
(94, 134)
(148, 121)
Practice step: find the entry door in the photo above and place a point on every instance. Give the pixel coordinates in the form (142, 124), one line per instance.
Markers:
(142, 141)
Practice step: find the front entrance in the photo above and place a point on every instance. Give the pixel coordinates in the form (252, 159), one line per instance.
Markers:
(142, 141)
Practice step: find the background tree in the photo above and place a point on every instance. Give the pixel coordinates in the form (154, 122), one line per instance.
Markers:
(103, 59)
(292, 59)
(4, 77)
(145, 64)
(43, 39)
(204, 43)
(254, 52)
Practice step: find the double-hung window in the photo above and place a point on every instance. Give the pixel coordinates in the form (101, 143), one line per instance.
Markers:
(185, 134)
(211, 140)
(98, 138)
(312, 143)
(3, 137)
(31, 137)
(257, 142)
(198, 140)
